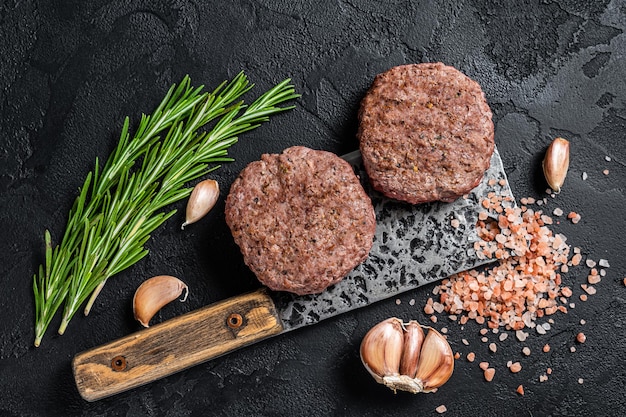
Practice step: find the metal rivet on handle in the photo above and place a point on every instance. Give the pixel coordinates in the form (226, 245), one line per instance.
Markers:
(234, 321)
(118, 363)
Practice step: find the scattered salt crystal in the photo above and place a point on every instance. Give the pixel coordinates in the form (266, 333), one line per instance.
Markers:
(605, 172)
(503, 336)
(493, 347)
(484, 339)
(607, 158)
(398, 301)
(557, 212)
(465, 342)
(572, 349)
(603, 263)
(590, 263)
(580, 380)
(412, 302)
(438, 307)
(444, 330)
(584, 176)
(546, 326)
(543, 378)
(526, 351)
(541, 330)
(603, 272)
(594, 279)
(590, 290)
(441, 409)
(582, 321)
(455, 223)
(521, 335)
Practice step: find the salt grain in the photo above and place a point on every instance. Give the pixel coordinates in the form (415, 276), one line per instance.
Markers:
(441, 409)
(557, 212)
(493, 347)
(526, 351)
(580, 380)
(584, 176)
(603, 263)
(515, 367)
(489, 374)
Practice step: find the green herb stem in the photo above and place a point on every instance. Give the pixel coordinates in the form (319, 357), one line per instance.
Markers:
(121, 204)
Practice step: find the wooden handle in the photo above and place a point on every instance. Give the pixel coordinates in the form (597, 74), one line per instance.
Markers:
(175, 345)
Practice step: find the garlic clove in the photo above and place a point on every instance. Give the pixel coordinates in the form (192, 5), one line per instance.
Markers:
(401, 357)
(556, 163)
(413, 340)
(381, 349)
(154, 293)
(436, 361)
(201, 201)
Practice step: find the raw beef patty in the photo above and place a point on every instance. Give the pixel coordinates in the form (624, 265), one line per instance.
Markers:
(425, 133)
(301, 219)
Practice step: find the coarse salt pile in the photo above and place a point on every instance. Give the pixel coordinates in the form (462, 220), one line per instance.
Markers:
(524, 285)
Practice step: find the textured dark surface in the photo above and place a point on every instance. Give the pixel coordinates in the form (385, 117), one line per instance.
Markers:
(72, 70)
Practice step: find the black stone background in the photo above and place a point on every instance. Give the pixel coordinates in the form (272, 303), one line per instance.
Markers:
(71, 71)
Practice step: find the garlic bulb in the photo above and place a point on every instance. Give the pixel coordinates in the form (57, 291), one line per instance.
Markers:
(399, 356)
(154, 293)
(556, 163)
(201, 201)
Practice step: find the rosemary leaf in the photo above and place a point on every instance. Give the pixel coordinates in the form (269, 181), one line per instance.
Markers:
(120, 203)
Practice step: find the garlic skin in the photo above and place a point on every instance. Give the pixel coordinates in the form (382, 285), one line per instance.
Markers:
(556, 163)
(201, 201)
(154, 293)
(399, 356)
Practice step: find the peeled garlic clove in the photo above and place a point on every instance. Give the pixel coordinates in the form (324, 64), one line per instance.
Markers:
(381, 349)
(413, 340)
(556, 163)
(436, 361)
(201, 201)
(153, 294)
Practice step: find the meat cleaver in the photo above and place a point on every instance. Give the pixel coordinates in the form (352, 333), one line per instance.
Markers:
(414, 245)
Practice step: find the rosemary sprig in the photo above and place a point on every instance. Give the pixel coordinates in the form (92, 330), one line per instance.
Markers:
(121, 204)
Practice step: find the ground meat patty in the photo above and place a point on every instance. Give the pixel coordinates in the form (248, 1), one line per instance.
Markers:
(425, 133)
(301, 219)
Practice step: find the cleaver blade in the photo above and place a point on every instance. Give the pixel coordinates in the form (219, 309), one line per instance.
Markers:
(414, 245)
